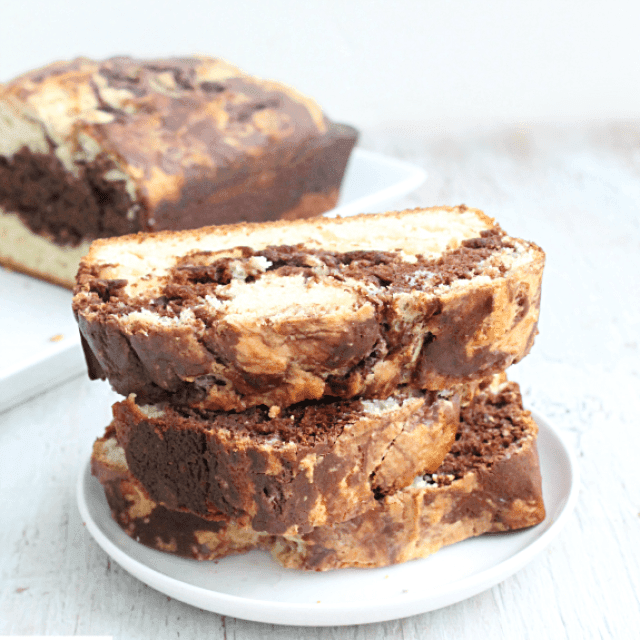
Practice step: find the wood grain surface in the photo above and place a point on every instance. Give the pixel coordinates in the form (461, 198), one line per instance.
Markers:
(574, 190)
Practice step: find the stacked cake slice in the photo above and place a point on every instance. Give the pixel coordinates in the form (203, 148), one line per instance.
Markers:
(488, 482)
(331, 390)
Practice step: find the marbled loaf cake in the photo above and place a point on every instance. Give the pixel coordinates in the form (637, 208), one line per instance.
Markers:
(96, 149)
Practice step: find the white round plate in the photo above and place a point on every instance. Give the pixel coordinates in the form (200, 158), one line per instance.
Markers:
(253, 587)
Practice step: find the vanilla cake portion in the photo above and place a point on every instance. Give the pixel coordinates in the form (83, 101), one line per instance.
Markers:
(278, 313)
(488, 482)
(92, 149)
(286, 471)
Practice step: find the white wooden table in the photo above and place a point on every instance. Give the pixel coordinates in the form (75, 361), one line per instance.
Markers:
(573, 190)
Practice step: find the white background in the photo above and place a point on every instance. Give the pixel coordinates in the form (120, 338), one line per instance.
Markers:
(370, 62)
(571, 187)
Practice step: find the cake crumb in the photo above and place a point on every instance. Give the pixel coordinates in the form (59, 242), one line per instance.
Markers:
(56, 338)
(274, 412)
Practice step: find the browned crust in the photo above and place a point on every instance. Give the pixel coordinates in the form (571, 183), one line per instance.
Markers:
(409, 524)
(330, 464)
(312, 204)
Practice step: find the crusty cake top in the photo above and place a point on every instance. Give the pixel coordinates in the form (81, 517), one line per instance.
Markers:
(494, 425)
(301, 425)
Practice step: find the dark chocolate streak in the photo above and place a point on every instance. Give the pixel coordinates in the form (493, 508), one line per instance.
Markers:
(185, 464)
(51, 201)
(489, 424)
(161, 525)
(492, 430)
(199, 273)
(446, 353)
(381, 268)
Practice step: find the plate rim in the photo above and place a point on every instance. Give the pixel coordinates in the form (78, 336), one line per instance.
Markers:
(319, 614)
(415, 176)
